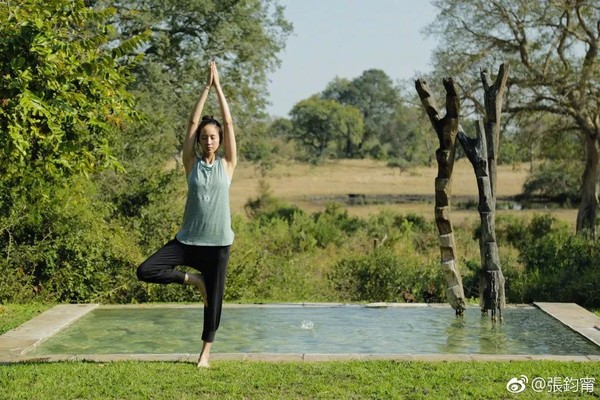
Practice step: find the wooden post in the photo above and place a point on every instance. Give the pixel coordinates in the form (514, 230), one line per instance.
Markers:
(482, 153)
(491, 280)
(493, 95)
(446, 129)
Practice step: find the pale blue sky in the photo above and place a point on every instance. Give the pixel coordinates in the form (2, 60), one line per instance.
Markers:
(346, 37)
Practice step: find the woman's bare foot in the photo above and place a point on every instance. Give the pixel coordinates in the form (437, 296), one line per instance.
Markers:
(197, 281)
(203, 363)
(204, 354)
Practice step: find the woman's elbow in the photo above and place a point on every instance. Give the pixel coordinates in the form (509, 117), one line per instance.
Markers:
(228, 122)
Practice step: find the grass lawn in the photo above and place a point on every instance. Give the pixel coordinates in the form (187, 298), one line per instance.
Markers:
(278, 380)
(272, 380)
(14, 315)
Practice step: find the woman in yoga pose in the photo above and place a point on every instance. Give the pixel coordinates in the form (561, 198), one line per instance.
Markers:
(205, 237)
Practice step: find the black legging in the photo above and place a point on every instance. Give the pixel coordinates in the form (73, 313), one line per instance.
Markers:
(211, 261)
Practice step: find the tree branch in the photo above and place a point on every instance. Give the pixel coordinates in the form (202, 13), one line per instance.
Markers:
(428, 102)
(584, 25)
(452, 100)
(560, 49)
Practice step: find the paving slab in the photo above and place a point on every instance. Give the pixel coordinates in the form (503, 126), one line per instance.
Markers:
(228, 356)
(23, 338)
(501, 357)
(102, 357)
(575, 317)
(330, 357)
(274, 357)
(442, 357)
(547, 357)
(388, 357)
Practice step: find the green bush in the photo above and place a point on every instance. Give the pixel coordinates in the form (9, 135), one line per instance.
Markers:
(555, 180)
(72, 246)
(273, 260)
(384, 275)
(16, 286)
(557, 264)
(64, 249)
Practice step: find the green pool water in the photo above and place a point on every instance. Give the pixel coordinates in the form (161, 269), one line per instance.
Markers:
(326, 329)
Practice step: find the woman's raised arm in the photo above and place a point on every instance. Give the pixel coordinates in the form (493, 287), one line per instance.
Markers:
(189, 143)
(228, 133)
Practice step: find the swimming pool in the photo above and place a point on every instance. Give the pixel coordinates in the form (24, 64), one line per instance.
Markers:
(326, 329)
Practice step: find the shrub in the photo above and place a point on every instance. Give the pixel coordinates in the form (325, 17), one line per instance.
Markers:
(65, 250)
(384, 275)
(16, 286)
(554, 264)
(555, 180)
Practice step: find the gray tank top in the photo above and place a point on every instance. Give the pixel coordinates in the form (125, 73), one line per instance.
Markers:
(207, 217)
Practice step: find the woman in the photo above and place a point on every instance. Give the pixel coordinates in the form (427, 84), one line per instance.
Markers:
(204, 240)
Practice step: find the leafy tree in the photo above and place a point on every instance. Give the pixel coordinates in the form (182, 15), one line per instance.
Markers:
(374, 94)
(243, 36)
(558, 176)
(322, 124)
(64, 100)
(63, 95)
(553, 50)
(281, 128)
(62, 89)
(557, 181)
(407, 136)
(270, 141)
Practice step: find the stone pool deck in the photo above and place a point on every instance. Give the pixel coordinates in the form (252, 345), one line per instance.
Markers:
(15, 344)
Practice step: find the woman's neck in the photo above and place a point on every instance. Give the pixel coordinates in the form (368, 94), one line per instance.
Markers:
(209, 159)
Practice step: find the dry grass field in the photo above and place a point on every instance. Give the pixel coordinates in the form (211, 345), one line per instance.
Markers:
(312, 187)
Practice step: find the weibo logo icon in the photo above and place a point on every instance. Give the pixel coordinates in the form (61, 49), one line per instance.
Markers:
(517, 385)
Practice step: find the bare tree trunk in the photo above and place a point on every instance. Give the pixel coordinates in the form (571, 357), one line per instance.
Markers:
(491, 279)
(588, 208)
(446, 129)
(493, 94)
(483, 153)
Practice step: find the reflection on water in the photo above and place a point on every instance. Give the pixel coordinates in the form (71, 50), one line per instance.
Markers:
(481, 336)
(332, 330)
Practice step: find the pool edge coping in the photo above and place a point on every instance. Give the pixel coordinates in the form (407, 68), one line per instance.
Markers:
(299, 357)
(18, 341)
(575, 317)
(15, 343)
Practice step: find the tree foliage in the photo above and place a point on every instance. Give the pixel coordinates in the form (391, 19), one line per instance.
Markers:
(326, 127)
(407, 137)
(243, 36)
(62, 89)
(374, 94)
(552, 47)
(393, 128)
(64, 101)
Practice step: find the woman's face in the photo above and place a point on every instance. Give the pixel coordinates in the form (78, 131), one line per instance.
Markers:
(209, 139)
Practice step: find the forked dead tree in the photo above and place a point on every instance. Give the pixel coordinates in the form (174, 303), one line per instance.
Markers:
(482, 153)
(446, 129)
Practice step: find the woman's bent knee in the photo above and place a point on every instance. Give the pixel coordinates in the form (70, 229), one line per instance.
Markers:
(142, 272)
